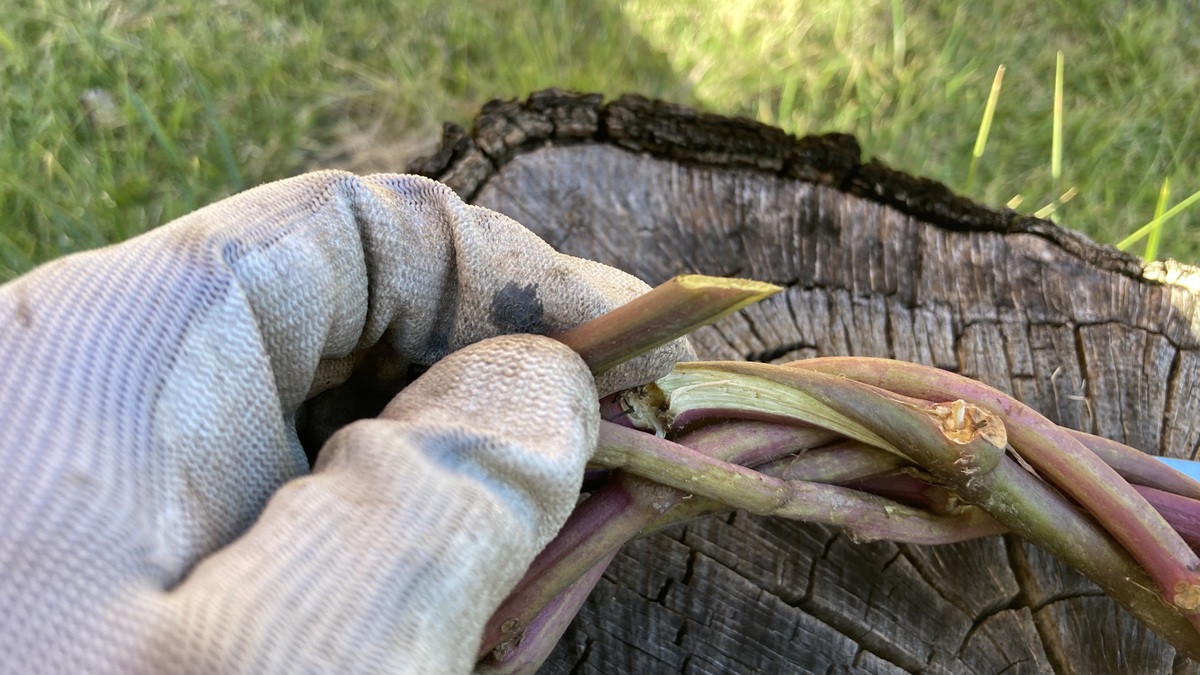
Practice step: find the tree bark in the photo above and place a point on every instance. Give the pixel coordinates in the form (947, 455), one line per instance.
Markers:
(875, 263)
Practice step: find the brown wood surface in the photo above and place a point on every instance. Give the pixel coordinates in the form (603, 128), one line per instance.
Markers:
(875, 263)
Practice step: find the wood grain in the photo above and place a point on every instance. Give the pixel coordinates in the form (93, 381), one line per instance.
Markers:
(875, 263)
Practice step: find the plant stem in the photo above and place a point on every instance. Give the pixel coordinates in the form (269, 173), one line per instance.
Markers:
(1056, 455)
(529, 646)
(850, 464)
(671, 310)
(755, 442)
(974, 466)
(615, 514)
(842, 462)
(593, 532)
(1183, 513)
(1137, 467)
(866, 517)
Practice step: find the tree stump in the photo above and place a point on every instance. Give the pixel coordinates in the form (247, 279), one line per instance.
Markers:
(875, 263)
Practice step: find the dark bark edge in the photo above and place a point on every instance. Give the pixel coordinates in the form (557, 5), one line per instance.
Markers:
(504, 129)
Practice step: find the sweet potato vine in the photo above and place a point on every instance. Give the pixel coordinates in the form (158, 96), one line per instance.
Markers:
(881, 448)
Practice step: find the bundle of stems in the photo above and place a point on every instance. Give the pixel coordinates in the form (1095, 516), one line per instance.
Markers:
(883, 449)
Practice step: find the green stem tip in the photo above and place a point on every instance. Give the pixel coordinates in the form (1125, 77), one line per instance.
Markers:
(672, 310)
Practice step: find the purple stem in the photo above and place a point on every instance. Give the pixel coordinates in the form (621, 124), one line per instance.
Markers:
(1137, 467)
(1183, 513)
(594, 531)
(974, 465)
(866, 517)
(524, 650)
(1057, 456)
(841, 462)
(618, 511)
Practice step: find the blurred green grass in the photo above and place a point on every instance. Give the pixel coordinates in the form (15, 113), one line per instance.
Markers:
(116, 116)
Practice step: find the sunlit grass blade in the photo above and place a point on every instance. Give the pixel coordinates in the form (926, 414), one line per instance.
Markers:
(1056, 141)
(1144, 230)
(1164, 195)
(985, 126)
(1047, 210)
(6, 43)
(787, 102)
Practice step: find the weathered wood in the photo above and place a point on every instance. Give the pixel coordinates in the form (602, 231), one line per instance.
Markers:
(875, 263)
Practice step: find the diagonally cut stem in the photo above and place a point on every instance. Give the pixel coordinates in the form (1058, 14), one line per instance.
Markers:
(673, 309)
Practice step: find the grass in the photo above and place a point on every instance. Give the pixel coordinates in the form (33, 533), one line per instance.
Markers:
(117, 116)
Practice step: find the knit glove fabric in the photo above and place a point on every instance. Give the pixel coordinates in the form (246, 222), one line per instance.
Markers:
(158, 511)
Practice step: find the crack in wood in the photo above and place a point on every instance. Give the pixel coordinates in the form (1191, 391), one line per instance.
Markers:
(770, 355)
(921, 571)
(1182, 665)
(1066, 597)
(863, 657)
(1164, 428)
(690, 570)
(864, 636)
(681, 633)
(1028, 584)
(663, 590)
(752, 327)
(578, 668)
(897, 555)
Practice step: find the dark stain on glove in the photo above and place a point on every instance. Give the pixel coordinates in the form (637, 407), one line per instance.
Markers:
(517, 309)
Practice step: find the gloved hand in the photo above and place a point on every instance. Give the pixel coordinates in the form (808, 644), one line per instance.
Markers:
(158, 513)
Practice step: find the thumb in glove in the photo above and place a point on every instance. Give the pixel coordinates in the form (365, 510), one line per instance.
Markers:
(411, 529)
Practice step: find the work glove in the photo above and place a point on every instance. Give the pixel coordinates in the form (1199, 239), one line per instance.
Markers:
(157, 509)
